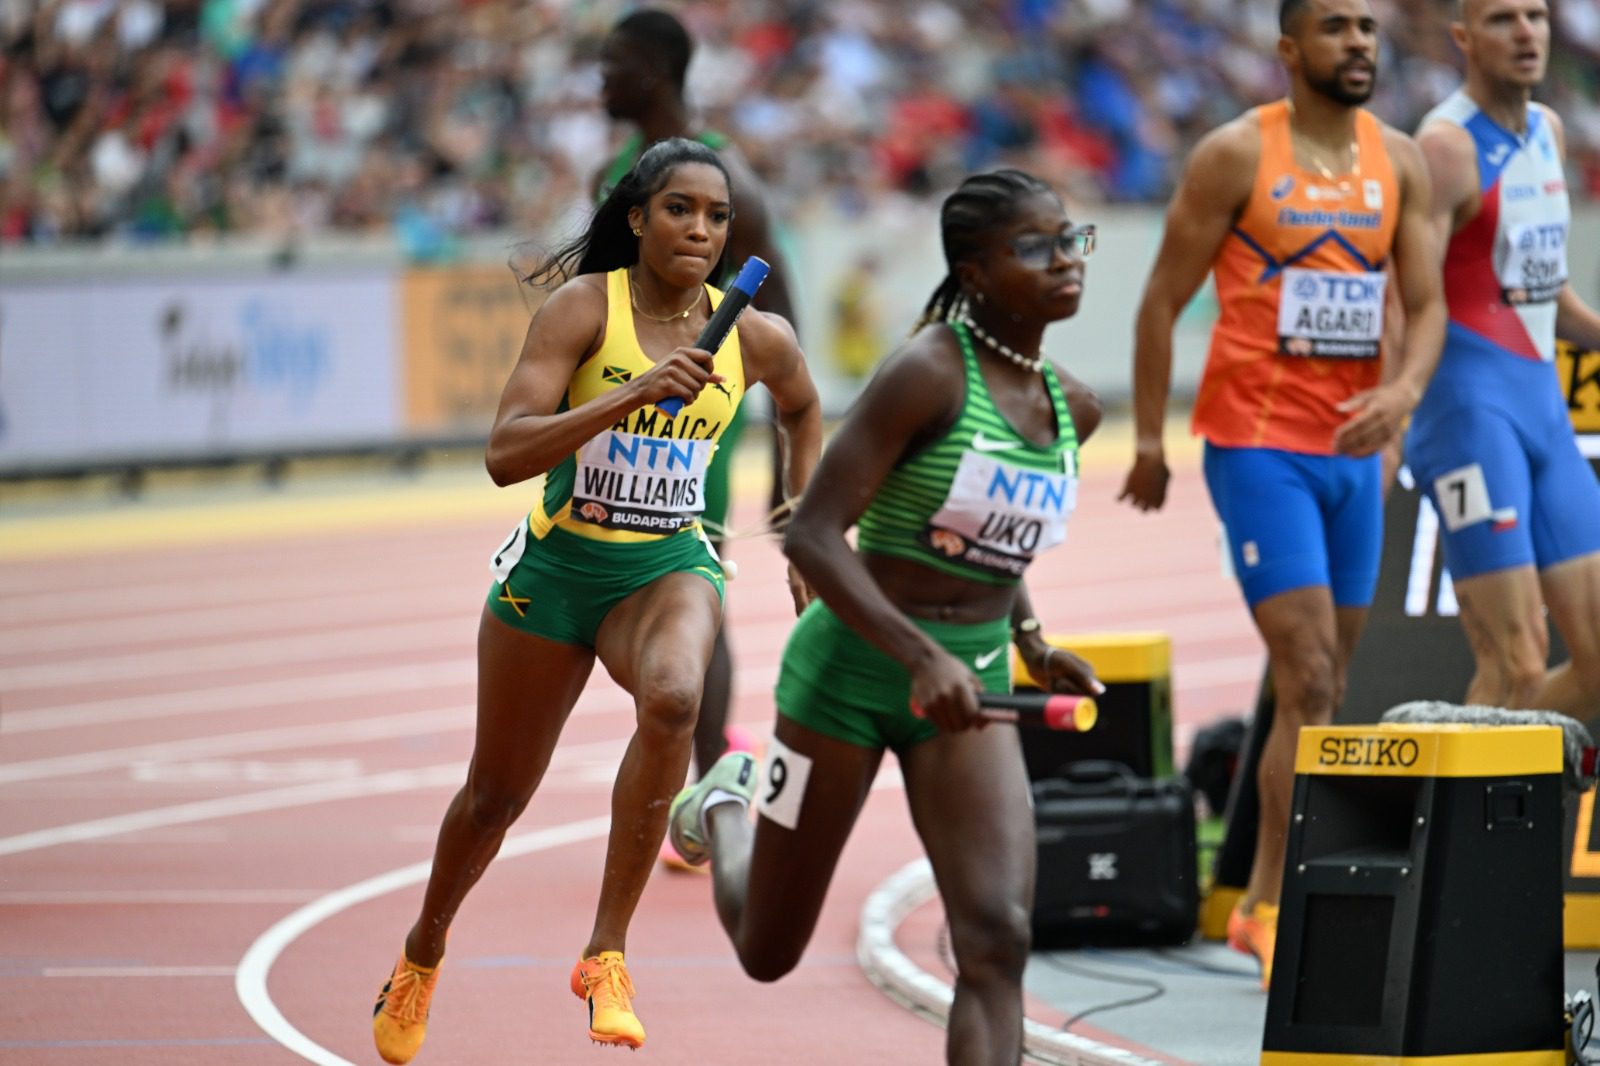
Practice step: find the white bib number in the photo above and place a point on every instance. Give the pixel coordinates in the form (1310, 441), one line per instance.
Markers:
(783, 784)
(1535, 266)
(1331, 315)
(509, 553)
(1463, 497)
(998, 516)
(645, 484)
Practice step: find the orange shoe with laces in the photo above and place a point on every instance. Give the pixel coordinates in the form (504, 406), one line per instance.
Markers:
(400, 1019)
(1255, 933)
(603, 983)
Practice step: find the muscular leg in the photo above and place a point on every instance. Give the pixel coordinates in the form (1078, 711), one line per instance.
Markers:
(656, 644)
(770, 882)
(1572, 591)
(1304, 649)
(969, 799)
(711, 727)
(1348, 624)
(1503, 616)
(526, 688)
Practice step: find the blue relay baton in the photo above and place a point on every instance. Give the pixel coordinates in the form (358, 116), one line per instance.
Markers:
(720, 324)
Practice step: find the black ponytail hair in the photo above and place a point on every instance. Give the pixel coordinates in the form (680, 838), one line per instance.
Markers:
(981, 203)
(608, 242)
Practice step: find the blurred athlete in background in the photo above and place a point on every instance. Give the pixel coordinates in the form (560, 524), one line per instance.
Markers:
(1492, 443)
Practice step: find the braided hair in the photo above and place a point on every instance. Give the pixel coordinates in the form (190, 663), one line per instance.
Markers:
(608, 242)
(978, 205)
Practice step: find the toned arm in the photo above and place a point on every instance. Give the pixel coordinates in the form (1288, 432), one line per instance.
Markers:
(1214, 189)
(1576, 321)
(1378, 415)
(528, 436)
(918, 388)
(773, 357)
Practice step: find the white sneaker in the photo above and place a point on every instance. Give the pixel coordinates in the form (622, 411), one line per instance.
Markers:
(733, 780)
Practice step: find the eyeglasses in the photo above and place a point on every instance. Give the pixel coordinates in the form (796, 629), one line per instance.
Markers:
(1037, 251)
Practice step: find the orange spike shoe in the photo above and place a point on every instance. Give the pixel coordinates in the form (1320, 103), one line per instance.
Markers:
(1255, 933)
(400, 1018)
(603, 982)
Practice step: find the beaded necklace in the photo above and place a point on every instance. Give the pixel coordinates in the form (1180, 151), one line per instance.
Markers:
(1033, 363)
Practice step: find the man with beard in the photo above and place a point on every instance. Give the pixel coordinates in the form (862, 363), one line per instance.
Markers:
(1297, 206)
(643, 63)
(1492, 443)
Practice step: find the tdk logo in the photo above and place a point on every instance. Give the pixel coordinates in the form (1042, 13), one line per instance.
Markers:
(1368, 751)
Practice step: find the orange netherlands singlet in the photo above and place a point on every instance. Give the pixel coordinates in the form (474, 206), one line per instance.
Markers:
(1300, 281)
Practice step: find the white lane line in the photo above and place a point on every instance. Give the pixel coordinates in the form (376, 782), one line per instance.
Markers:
(1161, 593)
(139, 971)
(257, 584)
(154, 586)
(1189, 677)
(276, 799)
(159, 897)
(919, 991)
(211, 622)
(342, 643)
(440, 720)
(237, 697)
(754, 678)
(231, 806)
(250, 983)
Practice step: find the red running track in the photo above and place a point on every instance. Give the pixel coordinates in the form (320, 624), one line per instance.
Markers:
(222, 765)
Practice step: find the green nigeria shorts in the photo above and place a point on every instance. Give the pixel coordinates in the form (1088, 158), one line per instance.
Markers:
(562, 587)
(835, 683)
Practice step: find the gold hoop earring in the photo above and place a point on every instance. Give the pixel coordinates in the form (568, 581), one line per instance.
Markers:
(637, 232)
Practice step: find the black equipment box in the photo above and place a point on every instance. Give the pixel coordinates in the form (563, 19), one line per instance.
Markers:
(1116, 858)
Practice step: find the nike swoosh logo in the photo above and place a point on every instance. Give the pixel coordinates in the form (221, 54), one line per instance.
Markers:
(984, 444)
(982, 661)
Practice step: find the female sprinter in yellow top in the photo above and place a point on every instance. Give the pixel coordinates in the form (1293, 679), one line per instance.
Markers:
(611, 563)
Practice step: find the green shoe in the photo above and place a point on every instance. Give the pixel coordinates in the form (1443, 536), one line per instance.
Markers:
(731, 779)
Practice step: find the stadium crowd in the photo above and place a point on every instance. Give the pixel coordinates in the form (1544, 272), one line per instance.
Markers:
(160, 119)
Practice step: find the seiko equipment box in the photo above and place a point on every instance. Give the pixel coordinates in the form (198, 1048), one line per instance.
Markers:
(1421, 912)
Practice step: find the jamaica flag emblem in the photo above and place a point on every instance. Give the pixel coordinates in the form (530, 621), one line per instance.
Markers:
(616, 375)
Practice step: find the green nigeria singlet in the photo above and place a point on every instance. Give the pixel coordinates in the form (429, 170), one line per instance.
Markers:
(981, 501)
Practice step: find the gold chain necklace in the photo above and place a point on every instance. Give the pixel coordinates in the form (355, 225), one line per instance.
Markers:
(1316, 160)
(633, 297)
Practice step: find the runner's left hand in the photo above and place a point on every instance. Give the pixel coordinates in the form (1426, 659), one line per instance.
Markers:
(1059, 670)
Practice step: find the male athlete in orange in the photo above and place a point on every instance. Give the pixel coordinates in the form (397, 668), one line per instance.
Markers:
(1298, 207)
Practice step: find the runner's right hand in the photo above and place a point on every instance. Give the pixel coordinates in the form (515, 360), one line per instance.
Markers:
(683, 374)
(1146, 487)
(947, 691)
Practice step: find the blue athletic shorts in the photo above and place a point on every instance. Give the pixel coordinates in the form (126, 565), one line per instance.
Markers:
(1511, 490)
(1294, 521)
